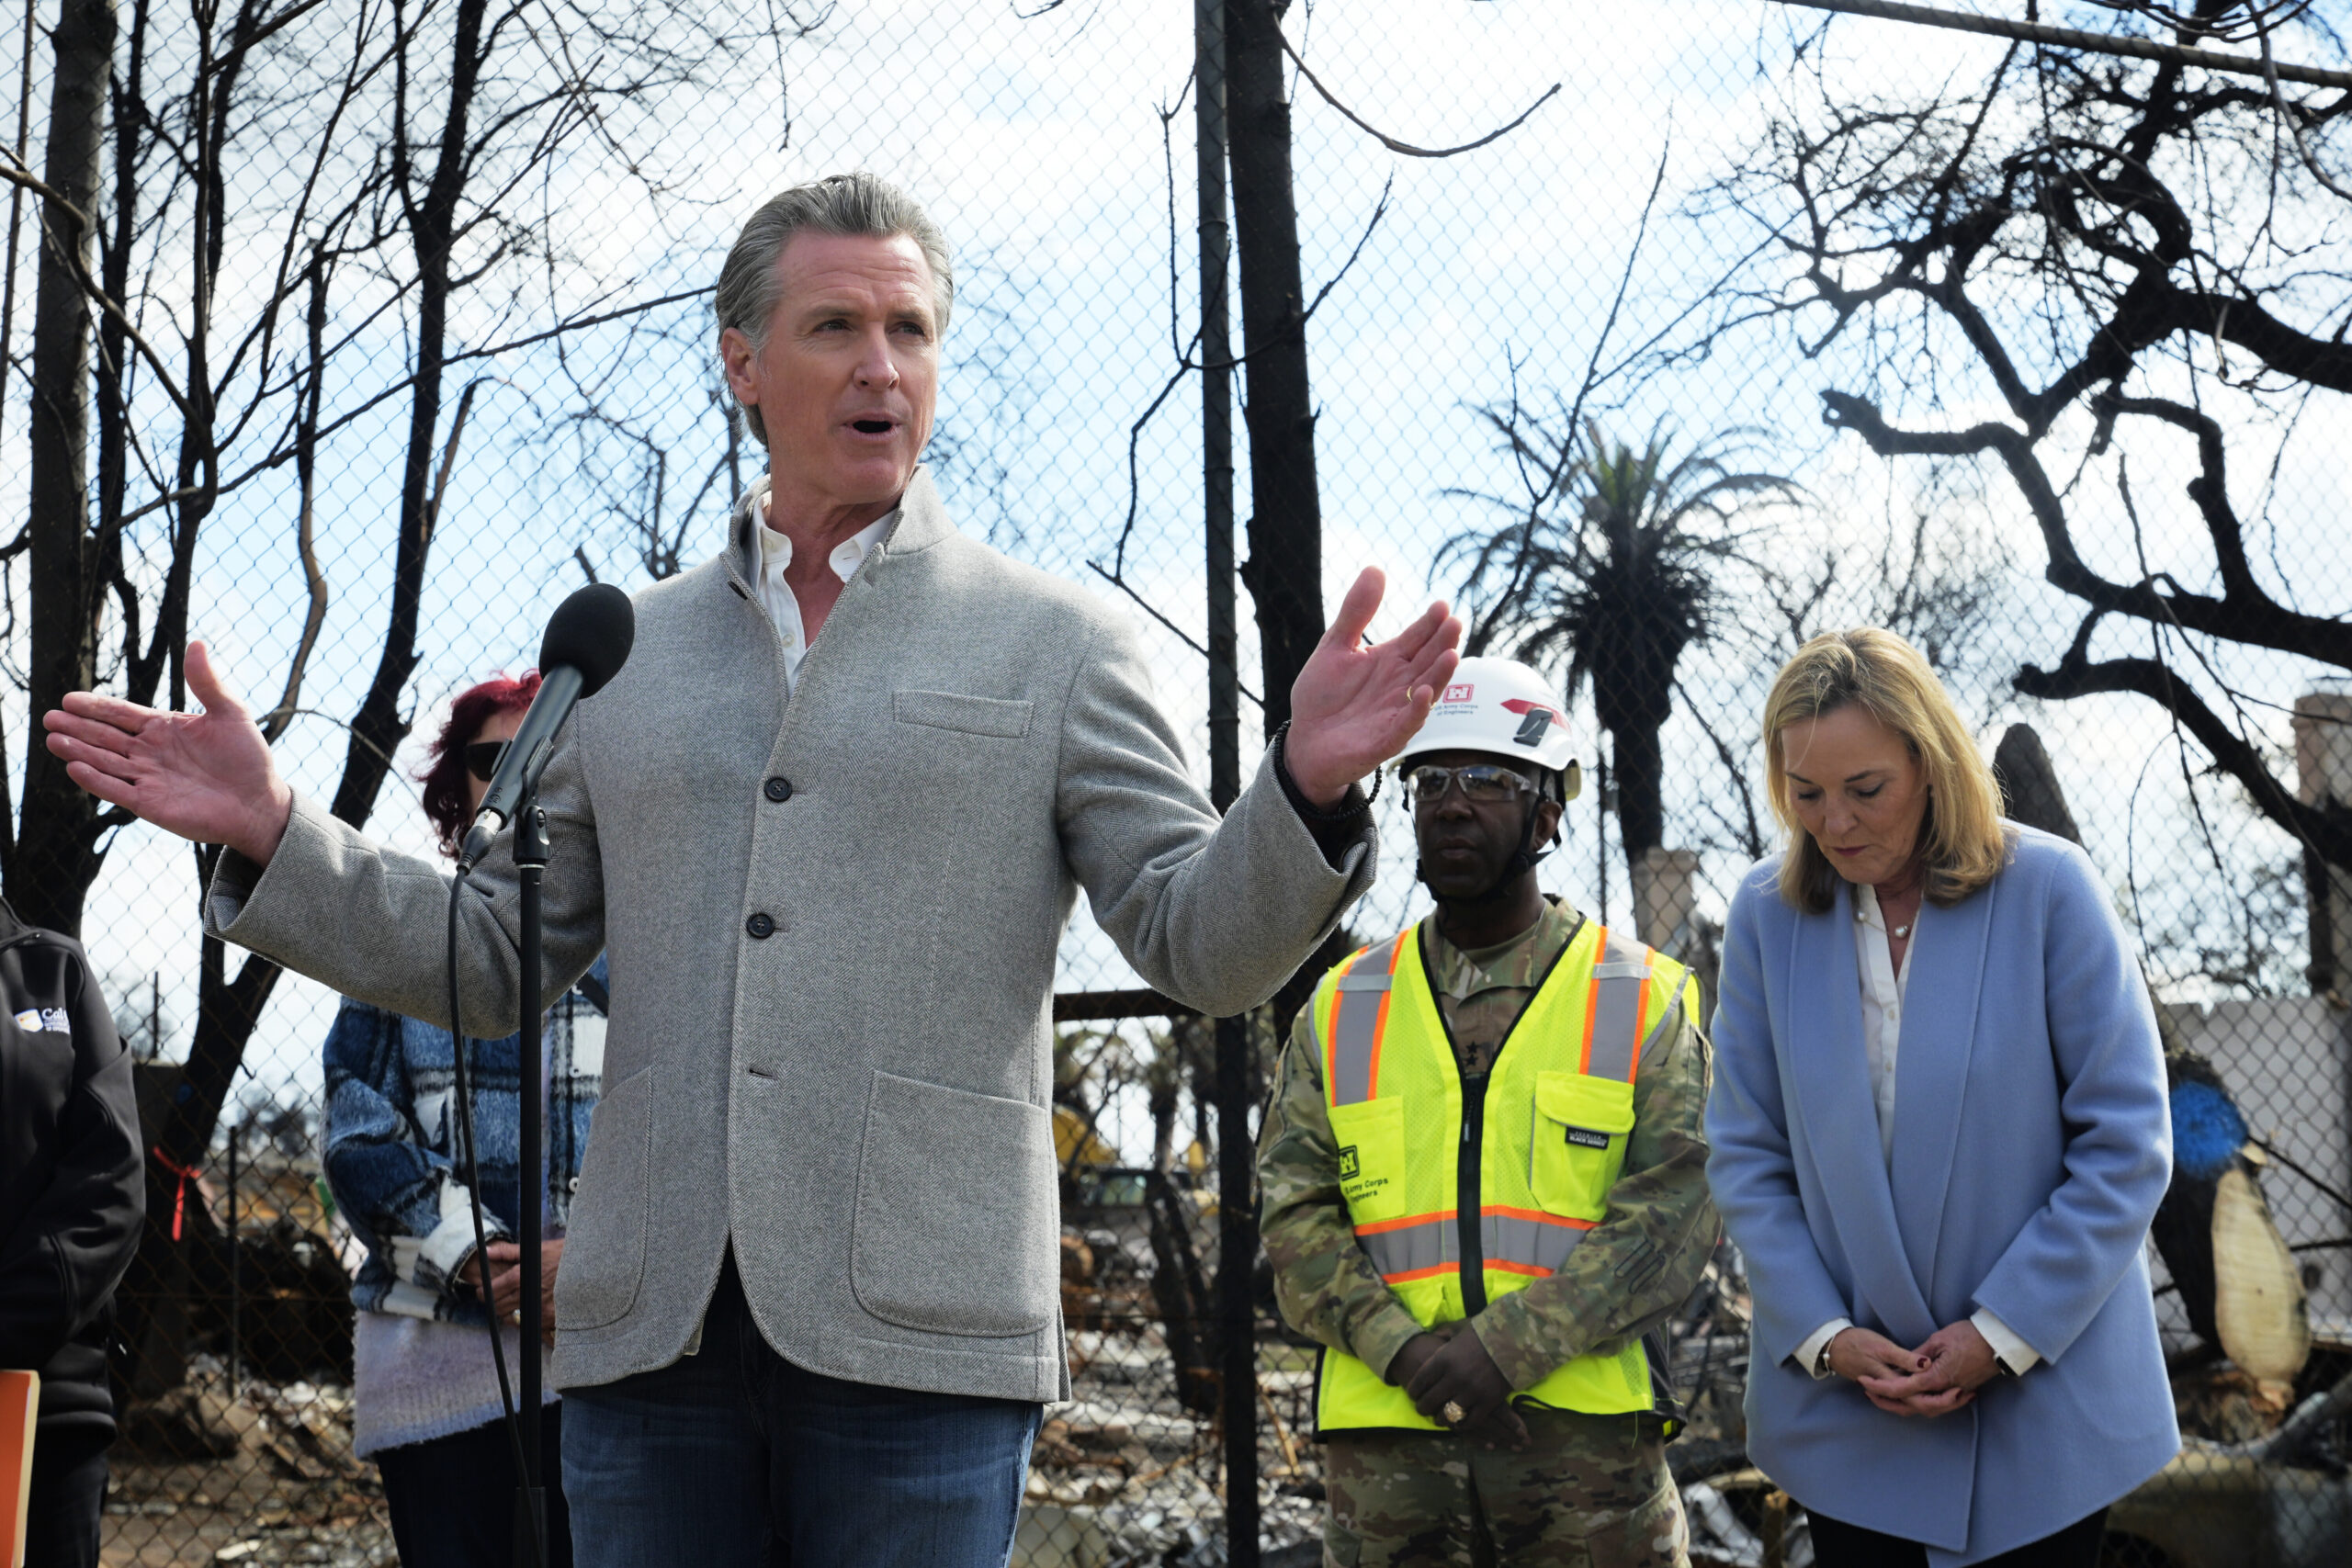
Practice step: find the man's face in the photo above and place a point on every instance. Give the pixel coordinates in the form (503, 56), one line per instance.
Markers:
(1467, 845)
(848, 379)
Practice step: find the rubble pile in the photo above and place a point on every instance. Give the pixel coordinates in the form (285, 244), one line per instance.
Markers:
(252, 1478)
(1122, 1476)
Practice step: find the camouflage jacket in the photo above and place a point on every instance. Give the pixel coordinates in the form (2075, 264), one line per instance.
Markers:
(1629, 1272)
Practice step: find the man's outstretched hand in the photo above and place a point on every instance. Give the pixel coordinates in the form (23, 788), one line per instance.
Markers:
(1353, 707)
(205, 776)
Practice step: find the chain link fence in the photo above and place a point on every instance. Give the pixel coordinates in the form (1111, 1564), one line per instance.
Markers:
(1656, 337)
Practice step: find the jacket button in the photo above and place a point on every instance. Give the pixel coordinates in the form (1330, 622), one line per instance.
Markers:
(761, 926)
(779, 789)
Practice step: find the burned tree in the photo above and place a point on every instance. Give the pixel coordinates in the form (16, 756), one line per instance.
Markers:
(2139, 264)
(249, 192)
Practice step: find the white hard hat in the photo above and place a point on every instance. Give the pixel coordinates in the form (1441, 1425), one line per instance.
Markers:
(1506, 710)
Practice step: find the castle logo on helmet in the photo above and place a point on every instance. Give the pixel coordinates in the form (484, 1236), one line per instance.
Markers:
(1459, 692)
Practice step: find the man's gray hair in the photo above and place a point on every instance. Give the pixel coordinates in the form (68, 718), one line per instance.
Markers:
(859, 205)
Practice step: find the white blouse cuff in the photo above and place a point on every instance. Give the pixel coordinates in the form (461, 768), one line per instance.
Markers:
(2015, 1353)
(1809, 1353)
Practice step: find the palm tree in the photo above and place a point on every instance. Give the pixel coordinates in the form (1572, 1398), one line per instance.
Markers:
(1611, 557)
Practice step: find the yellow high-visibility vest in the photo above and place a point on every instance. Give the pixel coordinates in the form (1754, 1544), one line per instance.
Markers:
(1453, 1221)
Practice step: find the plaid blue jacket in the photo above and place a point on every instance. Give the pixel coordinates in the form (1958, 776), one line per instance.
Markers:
(393, 1142)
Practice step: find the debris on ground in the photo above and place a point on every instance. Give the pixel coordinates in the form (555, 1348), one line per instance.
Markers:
(250, 1477)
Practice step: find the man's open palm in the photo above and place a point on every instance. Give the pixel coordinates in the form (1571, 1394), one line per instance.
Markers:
(205, 776)
(1354, 706)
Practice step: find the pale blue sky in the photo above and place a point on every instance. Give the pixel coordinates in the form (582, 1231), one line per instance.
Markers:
(1038, 146)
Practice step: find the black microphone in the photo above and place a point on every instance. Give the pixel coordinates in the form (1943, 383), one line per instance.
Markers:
(587, 642)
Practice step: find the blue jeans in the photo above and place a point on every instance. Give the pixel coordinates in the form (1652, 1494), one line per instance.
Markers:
(735, 1458)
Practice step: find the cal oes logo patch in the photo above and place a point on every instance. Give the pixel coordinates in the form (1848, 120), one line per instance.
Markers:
(1351, 1164)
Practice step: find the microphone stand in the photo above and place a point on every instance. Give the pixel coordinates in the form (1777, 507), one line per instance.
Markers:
(531, 1499)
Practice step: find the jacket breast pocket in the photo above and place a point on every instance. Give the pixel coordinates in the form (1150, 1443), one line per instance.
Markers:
(1371, 1137)
(1581, 1125)
(604, 1249)
(965, 715)
(957, 1211)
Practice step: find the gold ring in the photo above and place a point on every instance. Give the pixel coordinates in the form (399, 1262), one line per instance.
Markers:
(1453, 1414)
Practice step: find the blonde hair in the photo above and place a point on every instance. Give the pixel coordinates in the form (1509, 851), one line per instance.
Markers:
(1962, 839)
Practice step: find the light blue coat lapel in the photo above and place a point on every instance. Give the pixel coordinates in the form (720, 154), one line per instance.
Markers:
(1832, 1076)
(1931, 1067)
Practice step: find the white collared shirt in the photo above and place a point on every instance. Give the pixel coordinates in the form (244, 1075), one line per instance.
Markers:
(776, 554)
(1884, 987)
(1882, 991)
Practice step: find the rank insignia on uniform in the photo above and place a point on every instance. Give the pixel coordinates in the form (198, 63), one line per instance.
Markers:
(1588, 1138)
(1351, 1165)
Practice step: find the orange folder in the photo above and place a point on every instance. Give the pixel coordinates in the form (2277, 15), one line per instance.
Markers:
(19, 1404)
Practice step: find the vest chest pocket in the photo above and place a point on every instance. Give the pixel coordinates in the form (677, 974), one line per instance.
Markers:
(1371, 1137)
(1580, 1134)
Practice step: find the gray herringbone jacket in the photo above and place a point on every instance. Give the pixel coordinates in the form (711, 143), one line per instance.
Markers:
(832, 924)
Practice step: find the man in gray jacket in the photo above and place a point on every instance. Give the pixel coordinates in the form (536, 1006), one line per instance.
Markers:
(829, 823)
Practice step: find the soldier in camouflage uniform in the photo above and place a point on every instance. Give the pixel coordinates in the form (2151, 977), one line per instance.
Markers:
(1512, 1481)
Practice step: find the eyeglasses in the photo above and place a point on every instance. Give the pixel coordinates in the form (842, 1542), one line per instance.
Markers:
(1483, 783)
(483, 758)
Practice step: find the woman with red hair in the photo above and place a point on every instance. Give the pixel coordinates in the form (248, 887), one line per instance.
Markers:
(426, 1392)
(482, 719)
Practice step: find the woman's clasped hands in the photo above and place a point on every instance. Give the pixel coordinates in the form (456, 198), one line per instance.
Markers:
(1940, 1377)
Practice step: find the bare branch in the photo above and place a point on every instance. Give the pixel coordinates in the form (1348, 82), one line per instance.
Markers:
(1406, 149)
(1152, 610)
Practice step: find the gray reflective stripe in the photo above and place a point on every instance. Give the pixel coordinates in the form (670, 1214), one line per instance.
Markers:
(1510, 1240)
(1617, 984)
(1664, 1028)
(1356, 981)
(1355, 1024)
(1430, 1245)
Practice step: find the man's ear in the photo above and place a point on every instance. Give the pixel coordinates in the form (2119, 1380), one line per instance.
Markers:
(1547, 821)
(735, 357)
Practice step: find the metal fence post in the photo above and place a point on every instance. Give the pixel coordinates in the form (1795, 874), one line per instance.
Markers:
(1236, 1215)
(236, 1257)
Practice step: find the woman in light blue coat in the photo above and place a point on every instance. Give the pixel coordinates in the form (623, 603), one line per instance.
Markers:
(1938, 1133)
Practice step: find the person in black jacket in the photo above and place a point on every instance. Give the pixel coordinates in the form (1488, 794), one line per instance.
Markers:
(72, 1200)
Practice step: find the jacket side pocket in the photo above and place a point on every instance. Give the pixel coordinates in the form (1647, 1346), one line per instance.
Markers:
(1371, 1138)
(603, 1250)
(1581, 1125)
(957, 1211)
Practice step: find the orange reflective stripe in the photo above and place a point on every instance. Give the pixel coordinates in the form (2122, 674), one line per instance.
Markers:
(1521, 1241)
(1412, 1247)
(1591, 1003)
(1353, 1052)
(1539, 1216)
(1411, 1274)
(1619, 1002)
(1378, 1227)
(1641, 1030)
(1533, 1270)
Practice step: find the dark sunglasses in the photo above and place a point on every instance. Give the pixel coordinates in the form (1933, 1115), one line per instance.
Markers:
(483, 758)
